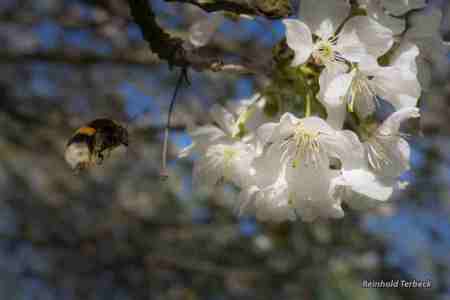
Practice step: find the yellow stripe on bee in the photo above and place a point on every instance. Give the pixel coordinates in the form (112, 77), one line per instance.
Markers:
(86, 130)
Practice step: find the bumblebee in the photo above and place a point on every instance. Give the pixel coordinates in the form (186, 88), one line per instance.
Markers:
(90, 143)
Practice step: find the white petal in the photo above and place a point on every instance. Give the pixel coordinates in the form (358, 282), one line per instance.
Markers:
(311, 191)
(405, 57)
(245, 203)
(223, 118)
(202, 137)
(299, 39)
(287, 124)
(265, 132)
(424, 73)
(376, 11)
(424, 23)
(272, 201)
(241, 166)
(391, 125)
(376, 38)
(388, 153)
(201, 32)
(359, 201)
(206, 134)
(337, 193)
(394, 159)
(238, 107)
(350, 46)
(267, 166)
(434, 51)
(316, 124)
(205, 173)
(403, 100)
(364, 182)
(400, 7)
(398, 86)
(324, 16)
(272, 204)
(396, 25)
(251, 116)
(326, 29)
(333, 88)
(353, 155)
(336, 115)
(369, 65)
(346, 147)
(362, 94)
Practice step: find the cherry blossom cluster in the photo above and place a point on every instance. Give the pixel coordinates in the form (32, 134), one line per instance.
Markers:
(349, 60)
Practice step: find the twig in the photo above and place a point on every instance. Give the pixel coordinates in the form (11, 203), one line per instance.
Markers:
(161, 43)
(183, 77)
(266, 8)
(171, 48)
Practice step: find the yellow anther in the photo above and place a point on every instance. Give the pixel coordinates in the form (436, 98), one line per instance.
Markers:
(307, 146)
(228, 155)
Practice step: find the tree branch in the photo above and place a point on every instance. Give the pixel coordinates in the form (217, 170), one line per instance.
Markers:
(171, 48)
(272, 9)
(161, 43)
(137, 58)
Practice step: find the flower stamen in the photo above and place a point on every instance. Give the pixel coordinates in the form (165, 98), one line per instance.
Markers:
(324, 52)
(361, 89)
(377, 154)
(302, 145)
(228, 155)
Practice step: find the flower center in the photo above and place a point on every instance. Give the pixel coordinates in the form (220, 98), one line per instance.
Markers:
(228, 155)
(221, 157)
(360, 89)
(303, 146)
(324, 52)
(377, 154)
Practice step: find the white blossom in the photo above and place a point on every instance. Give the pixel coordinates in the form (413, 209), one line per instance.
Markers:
(390, 13)
(373, 170)
(220, 156)
(328, 49)
(300, 182)
(323, 17)
(387, 151)
(400, 7)
(376, 11)
(358, 37)
(367, 82)
(201, 32)
(267, 196)
(288, 167)
(424, 31)
(250, 115)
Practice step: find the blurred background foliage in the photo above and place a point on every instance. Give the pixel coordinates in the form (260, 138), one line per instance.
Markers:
(118, 232)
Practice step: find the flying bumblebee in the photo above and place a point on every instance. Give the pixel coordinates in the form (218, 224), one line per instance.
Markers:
(90, 143)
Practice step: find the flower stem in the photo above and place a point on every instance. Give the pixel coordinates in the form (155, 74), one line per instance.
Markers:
(309, 71)
(183, 76)
(308, 104)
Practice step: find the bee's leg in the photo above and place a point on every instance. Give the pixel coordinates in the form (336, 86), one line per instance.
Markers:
(108, 152)
(98, 149)
(100, 158)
